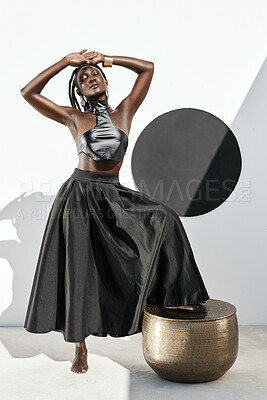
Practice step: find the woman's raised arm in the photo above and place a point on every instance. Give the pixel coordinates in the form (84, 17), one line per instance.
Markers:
(31, 92)
(145, 71)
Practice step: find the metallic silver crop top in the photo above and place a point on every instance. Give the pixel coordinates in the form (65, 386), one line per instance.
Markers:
(105, 141)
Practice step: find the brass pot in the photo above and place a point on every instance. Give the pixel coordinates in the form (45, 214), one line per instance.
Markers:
(183, 346)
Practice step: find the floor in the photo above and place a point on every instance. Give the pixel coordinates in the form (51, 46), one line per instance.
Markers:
(37, 366)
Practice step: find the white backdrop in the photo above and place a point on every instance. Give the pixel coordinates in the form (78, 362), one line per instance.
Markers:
(207, 55)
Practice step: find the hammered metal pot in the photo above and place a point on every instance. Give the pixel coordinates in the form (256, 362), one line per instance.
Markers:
(183, 346)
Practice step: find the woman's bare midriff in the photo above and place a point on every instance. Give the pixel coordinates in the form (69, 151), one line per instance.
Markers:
(107, 166)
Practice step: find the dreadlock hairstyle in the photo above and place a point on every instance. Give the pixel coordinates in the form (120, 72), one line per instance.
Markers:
(73, 84)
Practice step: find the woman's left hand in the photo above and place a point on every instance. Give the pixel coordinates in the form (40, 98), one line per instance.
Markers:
(96, 58)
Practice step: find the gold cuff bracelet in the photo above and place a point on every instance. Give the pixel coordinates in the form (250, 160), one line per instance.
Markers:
(108, 61)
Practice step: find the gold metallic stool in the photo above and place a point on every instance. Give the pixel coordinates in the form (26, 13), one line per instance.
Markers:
(183, 346)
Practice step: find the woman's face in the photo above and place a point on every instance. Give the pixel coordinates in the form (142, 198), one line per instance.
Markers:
(90, 82)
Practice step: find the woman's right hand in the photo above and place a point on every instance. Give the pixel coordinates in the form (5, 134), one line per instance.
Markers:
(78, 58)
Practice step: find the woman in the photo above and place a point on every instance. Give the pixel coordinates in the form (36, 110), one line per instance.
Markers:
(107, 250)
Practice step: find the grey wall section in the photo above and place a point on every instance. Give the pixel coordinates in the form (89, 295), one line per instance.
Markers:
(248, 216)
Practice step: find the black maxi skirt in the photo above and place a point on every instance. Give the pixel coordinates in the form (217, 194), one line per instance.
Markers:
(106, 252)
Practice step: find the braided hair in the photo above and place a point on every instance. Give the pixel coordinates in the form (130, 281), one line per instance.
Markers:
(73, 84)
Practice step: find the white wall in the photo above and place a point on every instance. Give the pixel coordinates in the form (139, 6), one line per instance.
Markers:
(207, 55)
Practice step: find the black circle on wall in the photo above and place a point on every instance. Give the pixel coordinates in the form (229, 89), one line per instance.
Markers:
(187, 158)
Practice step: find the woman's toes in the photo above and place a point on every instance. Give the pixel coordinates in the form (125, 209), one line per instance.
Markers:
(79, 370)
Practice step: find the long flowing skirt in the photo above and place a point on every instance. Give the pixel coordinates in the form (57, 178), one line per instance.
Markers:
(106, 252)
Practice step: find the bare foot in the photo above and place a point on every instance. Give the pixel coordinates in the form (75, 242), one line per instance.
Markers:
(79, 364)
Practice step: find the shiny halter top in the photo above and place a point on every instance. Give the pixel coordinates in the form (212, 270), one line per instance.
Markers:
(105, 141)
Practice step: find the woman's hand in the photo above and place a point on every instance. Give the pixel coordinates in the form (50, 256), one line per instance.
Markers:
(81, 58)
(97, 57)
